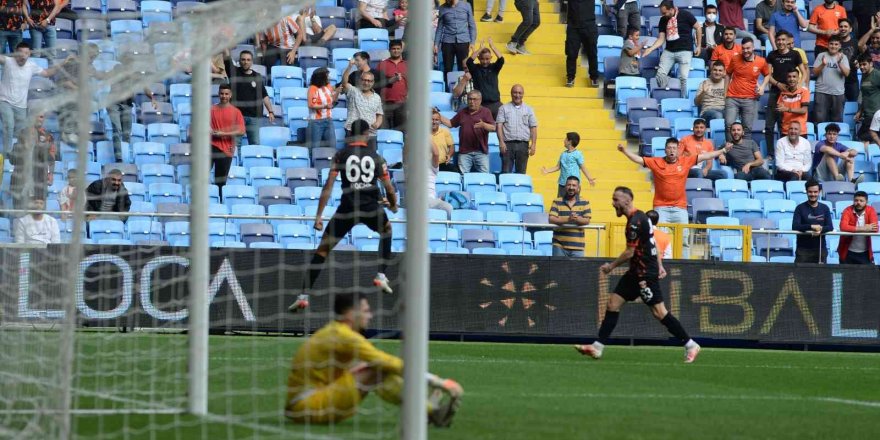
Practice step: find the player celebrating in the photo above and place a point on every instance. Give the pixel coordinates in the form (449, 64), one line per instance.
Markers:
(334, 370)
(641, 280)
(361, 167)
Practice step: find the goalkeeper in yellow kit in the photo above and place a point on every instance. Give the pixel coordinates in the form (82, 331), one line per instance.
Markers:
(336, 368)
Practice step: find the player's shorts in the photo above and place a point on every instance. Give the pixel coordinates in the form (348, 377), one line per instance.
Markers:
(343, 222)
(631, 287)
(332, 403)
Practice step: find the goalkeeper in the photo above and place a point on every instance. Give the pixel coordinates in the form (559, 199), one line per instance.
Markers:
(335, 369)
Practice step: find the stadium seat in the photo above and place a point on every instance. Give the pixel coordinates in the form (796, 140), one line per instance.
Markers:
(866, 170)
(770, 246)
(441, 100)
(177, 231)
(361, 236)
(767, 189)
(265, 245)
(515, 183)
(292, 157)
(461, 218)
(163, 113)
(524, 203)
(307, 195)
(274, 195)
(672, 108)
(715, 235)
(389, 139)
(341, 56)
(139, 230)
(514, 242)
(745, 208)
(441, 237)
(179, 154)
(707, 207)
(266, 176)
(629, 87)
(290, 233)
(544, 241)
(774, 209)
(796, 190)
(256, 232)
(608, 46)
(285, 211)
(683, 126)
(727, 189)
(372, 39)
(166, 193)
(650, 128)
(297, 177)
(141, 207)
(491, 201)
(513, 218)
(672, 89)
(217, 209)
(731, 248)
(310, 57)
(239, 194)
(274, 136)
(285, 76)
(477, 238)
(760, 223)
(322, 157)
(245, 209)
(836, 191)
(873, 190)
(106, 229)
(149, 153)
(638, 108)
(222, 232)
(448, 181)
(257, 156)
(480, 182)
(213, 193)
(237, 175)
(488, 251)
(166, 134)
(156, 173)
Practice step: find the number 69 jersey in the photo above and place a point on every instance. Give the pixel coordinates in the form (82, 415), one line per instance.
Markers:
(361, 169)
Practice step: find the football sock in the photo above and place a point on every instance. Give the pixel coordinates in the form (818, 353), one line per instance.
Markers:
(384, 252)
(674, 326)
(607, 326)
(315, 268)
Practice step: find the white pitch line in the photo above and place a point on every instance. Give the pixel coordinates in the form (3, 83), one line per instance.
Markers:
(784, 398)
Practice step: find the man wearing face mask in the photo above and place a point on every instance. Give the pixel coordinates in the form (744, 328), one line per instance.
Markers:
(712, 32)
(824, 23)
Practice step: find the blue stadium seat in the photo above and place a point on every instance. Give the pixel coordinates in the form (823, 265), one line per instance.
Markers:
(179, 93)
(285, 76)
(488, 251)
(441, 100)
(153, 11)
(392, 156)
(341, 56)
(463, 216)
(257, 156)
(745, 208)
(716, 234)
(773, 247)
(310, 57)
(650, 128)
(139, 230)
(515, 220)
(106, 229)
(239, 194)
(523, 203)
(284, 210)
(703, 208)
(836, 191)
(307, 196)
(362, 235)
(672, 89)
(216, 208)
(477, 238)
(256, 232)
(246, 209)
(767, 189)
(293, 157)
(389, 139)
(149, 153)
(629, 87)
(166, 134)
(297, 122)
(480, 182)
(774, 209)
(515, 183)
(514, 242)
(796, 190)
(373, 39)
(294, 97)
(440, 237)
(672, 108)
(873, 190)
(638, 108)
(491, 201)
(266, 176)
(213, 193)
(727, 189)
(608, 46)
(237, 175)
(683, 126)
(448, 181)
(731, 248)
(274, 136)
(177, 231)
(166, 193)
(544, 241)
(264, 245)
(322, 157)
(156, 173)
(141, 206)
(222, 232)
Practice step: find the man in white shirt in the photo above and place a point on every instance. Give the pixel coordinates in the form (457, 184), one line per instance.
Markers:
(36, 228)
(316, 34)
(794, 156)
(17, 72)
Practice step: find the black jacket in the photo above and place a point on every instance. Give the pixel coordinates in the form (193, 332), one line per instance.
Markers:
(95, 193)
(581, 14)
(719, 33)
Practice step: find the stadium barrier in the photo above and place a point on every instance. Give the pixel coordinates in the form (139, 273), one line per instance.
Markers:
(494, 296)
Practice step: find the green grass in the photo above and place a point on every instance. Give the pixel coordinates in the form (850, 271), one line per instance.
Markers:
(523, 391)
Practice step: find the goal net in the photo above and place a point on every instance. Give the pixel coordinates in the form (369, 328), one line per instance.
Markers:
(94, 336)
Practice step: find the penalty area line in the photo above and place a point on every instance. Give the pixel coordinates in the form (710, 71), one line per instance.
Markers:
(782, 398)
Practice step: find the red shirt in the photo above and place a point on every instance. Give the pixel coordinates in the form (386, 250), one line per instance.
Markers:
(226, 118)
(393, 92)
(470, 138)
(730, 13)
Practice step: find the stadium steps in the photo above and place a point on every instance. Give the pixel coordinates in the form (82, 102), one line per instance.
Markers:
(561, 109)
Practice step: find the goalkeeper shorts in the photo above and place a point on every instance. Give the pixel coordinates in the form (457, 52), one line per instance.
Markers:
(332, 403)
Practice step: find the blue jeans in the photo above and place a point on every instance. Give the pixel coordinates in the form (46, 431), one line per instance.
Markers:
(321, 133)
(120, 120)
(12, 38)
(44, 38)
(710, 114)
(667, 59)
(252, 130)
(560, 252)
(477, 162)
(12, 119)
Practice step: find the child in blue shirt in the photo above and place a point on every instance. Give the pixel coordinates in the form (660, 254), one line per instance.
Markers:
(571, 163)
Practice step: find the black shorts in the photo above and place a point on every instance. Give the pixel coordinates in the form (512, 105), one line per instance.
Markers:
(343, 222)
(630, 288)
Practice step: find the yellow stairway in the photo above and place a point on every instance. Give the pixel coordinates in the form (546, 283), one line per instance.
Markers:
(561, 109)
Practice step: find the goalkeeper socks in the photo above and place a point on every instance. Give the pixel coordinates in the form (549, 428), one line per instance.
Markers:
(315, 268)
(607, 326)
(674, 326)
(384, 252)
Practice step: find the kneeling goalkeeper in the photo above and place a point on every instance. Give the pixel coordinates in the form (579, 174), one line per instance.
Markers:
(335, 369)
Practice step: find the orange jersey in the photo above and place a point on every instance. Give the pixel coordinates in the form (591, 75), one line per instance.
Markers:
(826, 19)
(689, 146)
(800, 98)
(320, 96)
(283, 34)
(744, 76)
(725, 55)
(669, 180)
(662, 240)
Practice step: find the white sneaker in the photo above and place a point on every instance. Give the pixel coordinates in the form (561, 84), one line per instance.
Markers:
(589, 350)
(690, 354)
(381, 281)
(301, 303)
(513, 48)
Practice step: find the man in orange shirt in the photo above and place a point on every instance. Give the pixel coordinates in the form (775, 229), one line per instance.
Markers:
(744, 91)
(227, 124)
(670, 174)
(824, 22)
(696, 144)
(794, 100)
(728, 49)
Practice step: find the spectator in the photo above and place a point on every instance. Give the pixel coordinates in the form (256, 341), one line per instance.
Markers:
(227, 123)
(17, 73)
(322, 98)
(670, 174)
(789, 19)
(866, 17)
(629, 54)
(456, 34)
(41, 22)
(664, 250)
(782, 61)
(675, 32)
(728, 49)
(570, 163)
(67, 80)
(316, 33)
(870, 44)
(12, 22)
(393, 74)
(831, 70)
(743, 91)
(581, 31)
(696, 144)
(627, 14)
(36, 227)
(826, 154)
(763, 11)
(813, 217)
(869, 101)
(711, 93)
(441, 139)
(793, 103)
(713, 33)
(849, 47)
(280, 43)
(34, 159)
(794, 156)
(249, 95)
(119, 113)
(859, 217)
(437, 154)
(108, 194)
(374, 14)
(517, 128)
(475, 123)
(69, 195)
(744, 156)
(459, 93)
(361, 66)
(824, 23)
(485, 75)
(569, 210)
(731, 15)
(400, 13)
(363, 103)
(531, 20)
(502, 5)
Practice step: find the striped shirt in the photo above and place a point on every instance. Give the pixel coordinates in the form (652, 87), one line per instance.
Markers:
(283, 34)
(571, 239)
(320, 96)
(517, 120)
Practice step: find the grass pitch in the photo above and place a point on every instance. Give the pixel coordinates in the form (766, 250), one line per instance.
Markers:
(524, 391)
